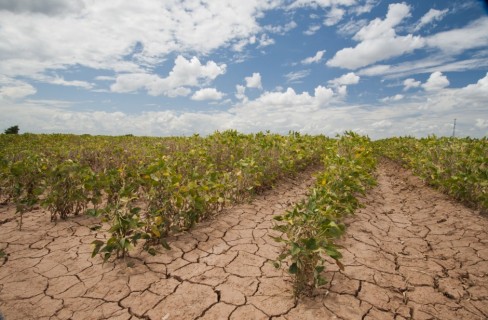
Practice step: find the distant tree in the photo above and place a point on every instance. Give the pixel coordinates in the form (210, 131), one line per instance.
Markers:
(12, 130)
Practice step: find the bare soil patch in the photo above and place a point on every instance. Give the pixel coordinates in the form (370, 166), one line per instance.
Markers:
(411, 253)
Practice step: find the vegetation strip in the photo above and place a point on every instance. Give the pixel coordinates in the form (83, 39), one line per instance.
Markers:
(456, 166)
(312, 226)
(146, 188)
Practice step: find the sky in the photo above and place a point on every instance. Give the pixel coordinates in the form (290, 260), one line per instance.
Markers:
(165, 68)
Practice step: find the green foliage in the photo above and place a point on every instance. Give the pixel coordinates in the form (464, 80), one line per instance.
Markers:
(145, 188)
(68, 191)
(23, 180)
(456, 166)
(12, 130)
(312, 226)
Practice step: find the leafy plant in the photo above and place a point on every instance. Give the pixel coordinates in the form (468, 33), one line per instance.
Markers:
(456, 166)
(24, 182)
(68, 193)
(310, 229)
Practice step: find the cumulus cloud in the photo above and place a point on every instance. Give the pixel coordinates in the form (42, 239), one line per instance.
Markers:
(396, 97)
(311, 30)
(12, 89)
(254, 81)
(207, 94)
(119, 36)
(316, 58)
(319, 112)
(431, 16)
(365, 8)
(17, 90)
(345, 79)
(334, 16)
(378, 41)
(240, 92)
(410, 83)
(288, 100)
(185, 73)
(281, 30)
(436, 81)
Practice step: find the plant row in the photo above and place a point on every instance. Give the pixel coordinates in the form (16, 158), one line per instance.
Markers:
(311, 228)
(456, 166)
(145, 188)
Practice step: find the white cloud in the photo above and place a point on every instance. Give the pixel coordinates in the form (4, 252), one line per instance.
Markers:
(119, 36)
(281, 30)
(334, 16)
(316, 58)
(16, 90)
(345, 79)
(311, 30)
(265, 41)
(105, 78)
(296, 76)
(478, 91)
(436, 81)
(410, 83)
(351, 27)
(279, 112)
(430, 64)
(207, 94)
(431, 16)
(455, 41)
(378, 41)
(287, 101)
(254, 81)
(365, 8)
(240, 92)
(57, 80)
(482, 123)
(320, 3)
(184, 73)
(396, 97)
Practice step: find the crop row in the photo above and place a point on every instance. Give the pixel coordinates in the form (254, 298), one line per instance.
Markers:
(145, 188)
(311, 227)
(456, 166)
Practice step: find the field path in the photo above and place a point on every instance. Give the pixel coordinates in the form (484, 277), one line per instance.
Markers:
(411, 253)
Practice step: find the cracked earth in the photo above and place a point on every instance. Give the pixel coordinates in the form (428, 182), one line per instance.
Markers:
(411, 253)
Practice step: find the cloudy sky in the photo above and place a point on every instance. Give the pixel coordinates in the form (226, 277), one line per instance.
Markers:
(178, 67)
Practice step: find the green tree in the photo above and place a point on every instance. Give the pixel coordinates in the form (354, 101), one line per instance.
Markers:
(12, 130)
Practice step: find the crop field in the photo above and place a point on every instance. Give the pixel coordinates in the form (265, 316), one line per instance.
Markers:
(243, 226)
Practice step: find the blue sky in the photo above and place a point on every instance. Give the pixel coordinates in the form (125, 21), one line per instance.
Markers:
(381, 68)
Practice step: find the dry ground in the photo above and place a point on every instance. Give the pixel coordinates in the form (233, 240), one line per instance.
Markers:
(411, 253)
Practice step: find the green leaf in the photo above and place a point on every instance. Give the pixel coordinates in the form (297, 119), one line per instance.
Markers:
(311, 244)
(295, 249)
(98, 244)
(293, 268)
(165, 244)
(151, 251)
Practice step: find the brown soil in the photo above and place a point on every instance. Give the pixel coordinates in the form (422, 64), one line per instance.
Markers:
(411, 253)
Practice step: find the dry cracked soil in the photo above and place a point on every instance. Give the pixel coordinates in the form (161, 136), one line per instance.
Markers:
(410, 253)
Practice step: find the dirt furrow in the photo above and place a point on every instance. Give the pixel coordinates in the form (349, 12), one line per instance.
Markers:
(411, 253)
(219, 270)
